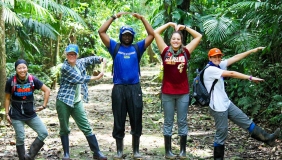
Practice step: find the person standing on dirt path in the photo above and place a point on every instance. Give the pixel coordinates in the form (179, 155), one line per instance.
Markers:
(20, 109)
(126, 93)
(222, 109)
(175, 87)
(73, 85)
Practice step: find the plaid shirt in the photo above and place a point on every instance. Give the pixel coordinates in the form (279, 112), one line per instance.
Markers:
(70, 78)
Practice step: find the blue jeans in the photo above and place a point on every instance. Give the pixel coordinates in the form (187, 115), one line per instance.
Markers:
(233, 113)
(181, 103)
(35, 123)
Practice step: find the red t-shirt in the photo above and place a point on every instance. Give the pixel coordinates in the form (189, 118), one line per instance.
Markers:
(175, 79)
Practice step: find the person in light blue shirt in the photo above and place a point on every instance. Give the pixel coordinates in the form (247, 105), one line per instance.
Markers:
(126, 93)
(73, 84)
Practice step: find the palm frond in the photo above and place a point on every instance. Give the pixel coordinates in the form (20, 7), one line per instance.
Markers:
(57, 8)
(40, 28)
(219, 28)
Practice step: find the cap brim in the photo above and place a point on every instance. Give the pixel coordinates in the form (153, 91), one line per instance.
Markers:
(126, 31)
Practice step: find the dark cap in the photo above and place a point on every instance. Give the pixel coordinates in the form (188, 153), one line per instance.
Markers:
(20, 61)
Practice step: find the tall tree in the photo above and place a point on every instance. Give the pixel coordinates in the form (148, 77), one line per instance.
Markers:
(3, 58)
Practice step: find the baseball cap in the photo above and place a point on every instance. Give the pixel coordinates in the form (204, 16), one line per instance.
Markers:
(72, 48)
(214, 51)
(126, 29)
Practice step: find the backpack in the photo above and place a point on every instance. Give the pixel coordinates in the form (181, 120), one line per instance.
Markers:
(137, 51)
(200, 93)
(14, 83)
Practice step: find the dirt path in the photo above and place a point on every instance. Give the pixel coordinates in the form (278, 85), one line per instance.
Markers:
(239, 145)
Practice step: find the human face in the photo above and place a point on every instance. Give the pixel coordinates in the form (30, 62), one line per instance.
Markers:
(175, 41)
(127, 39)
(216, 59)
(21, 71)
(72, 56)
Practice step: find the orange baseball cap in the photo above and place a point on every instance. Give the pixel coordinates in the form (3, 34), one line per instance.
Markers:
(214, 51)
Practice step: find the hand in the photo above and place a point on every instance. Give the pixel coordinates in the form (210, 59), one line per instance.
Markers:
(258, 49)
(256, 80)
(39, 108)
(9, 120)
(173, 25)
(138, 16)
(180, 27)
(118, 15)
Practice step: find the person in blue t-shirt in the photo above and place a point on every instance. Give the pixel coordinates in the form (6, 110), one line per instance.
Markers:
(126, 93)
(20, 109)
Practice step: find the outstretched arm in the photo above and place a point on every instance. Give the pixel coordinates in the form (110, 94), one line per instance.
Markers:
(234, 74)
(158, 38)
(148, 28)
(240, 56)
(196, 40)
(103, 29)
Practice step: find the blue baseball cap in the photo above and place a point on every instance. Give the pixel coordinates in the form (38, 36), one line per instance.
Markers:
(72, 48)
(126, 29)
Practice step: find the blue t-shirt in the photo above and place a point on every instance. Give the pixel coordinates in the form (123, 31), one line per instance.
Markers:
(126, 66)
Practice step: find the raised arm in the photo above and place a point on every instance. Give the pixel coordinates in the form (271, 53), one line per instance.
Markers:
(240, 56)
(196, 40)
(148, 28)
(103, 29)
(158, 38)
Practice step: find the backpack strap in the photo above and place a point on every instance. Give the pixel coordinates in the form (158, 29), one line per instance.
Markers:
(14, 83)
(202, 79)
(137, 51)
(138, 56)
(30, 79)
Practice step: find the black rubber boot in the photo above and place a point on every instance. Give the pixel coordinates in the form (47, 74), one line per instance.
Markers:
(119, 144)
(168, 152)
(93, 144)
(21, 151)
(183, 141)
(218, 152)
(260, 135)
(135, 146)
(65, 143)
(34, 149)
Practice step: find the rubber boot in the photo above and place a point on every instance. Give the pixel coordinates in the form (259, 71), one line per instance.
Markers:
(183, 141)
(34, 149)
(119, 144)
(21, 151)
(135, 146)
(168, 152)
(260, 135)
(65, 143)
(93, 144)
(218, 152)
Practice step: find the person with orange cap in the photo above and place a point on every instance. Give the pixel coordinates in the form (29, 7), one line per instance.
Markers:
(222, 109)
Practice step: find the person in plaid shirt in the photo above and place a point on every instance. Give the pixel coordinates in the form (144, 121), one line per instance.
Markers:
(73, 84)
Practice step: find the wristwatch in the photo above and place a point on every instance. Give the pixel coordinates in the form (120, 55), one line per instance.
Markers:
(114, 17)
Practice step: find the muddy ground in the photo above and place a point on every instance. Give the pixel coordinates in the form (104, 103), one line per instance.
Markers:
(239, 144)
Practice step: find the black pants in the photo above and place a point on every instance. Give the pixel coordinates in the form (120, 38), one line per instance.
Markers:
(127, 99)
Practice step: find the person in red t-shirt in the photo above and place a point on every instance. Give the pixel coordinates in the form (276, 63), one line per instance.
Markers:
(175, 88)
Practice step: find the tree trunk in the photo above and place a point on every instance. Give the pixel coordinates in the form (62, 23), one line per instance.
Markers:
(2, 59)
(184, 6)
